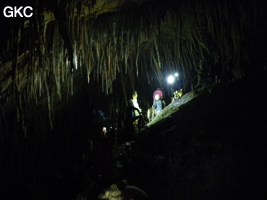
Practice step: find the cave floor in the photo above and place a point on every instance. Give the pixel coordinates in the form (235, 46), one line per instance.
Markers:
(206, 146)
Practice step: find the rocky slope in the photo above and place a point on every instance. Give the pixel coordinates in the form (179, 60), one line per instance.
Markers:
(213, 147)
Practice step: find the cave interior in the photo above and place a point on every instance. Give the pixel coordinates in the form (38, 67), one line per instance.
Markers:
(71, 68)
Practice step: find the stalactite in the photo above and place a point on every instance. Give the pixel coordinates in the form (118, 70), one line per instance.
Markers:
(108, 46)
(48, 103)
(157, 50)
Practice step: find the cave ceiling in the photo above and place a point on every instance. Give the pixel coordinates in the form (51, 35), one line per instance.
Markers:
(114, 46)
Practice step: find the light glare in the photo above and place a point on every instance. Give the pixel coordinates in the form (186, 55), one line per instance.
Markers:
(170, 79)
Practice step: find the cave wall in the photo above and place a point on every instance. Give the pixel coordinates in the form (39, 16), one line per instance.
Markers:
(72, 59)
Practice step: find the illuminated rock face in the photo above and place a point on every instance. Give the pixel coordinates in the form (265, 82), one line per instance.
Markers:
(214, 143)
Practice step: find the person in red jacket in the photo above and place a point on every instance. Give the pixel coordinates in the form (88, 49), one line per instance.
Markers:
(159, 92)
(159, 104)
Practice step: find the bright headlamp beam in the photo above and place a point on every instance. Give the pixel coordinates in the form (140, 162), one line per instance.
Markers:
(170, 79)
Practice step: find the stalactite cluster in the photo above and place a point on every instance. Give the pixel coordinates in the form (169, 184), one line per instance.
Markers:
(61, 42)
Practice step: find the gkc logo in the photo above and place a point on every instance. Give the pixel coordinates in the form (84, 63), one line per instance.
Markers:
(20, 11)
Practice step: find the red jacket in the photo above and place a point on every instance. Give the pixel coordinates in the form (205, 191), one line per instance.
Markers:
(159, 92)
